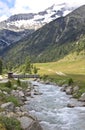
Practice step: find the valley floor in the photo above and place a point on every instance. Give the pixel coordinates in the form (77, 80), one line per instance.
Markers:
(63, 70)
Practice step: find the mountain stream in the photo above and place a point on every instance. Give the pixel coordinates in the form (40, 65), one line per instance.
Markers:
(51, 109)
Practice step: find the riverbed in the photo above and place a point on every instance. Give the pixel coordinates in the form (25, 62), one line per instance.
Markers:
(51, 109)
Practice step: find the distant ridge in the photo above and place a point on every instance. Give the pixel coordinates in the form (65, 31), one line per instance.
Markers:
(53, 41)
(34, 21)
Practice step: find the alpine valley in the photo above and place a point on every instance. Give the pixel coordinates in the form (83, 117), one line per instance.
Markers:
(46, 36)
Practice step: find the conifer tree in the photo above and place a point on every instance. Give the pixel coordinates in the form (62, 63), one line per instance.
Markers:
(1, 66)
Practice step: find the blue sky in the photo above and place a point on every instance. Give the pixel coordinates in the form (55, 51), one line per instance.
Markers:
(9, 3)
(10, 7)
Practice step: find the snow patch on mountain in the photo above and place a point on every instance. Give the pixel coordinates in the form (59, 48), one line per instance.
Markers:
(36, 20)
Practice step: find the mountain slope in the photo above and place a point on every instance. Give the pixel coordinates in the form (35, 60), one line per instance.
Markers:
(8, 37)
(19, 26)
(53, 41)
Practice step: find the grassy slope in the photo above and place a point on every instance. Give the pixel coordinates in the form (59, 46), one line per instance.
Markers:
(72, 66)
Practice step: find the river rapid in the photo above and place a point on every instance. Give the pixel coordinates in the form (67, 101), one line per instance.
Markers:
(51, 109)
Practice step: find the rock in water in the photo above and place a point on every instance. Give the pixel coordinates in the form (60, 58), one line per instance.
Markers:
(82, 98)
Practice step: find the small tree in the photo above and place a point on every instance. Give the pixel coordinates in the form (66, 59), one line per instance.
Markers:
(70, 81)
(35, 70)
(8, 84)
(28, 65)
(9, 66)
(1, 66)
(18, 82)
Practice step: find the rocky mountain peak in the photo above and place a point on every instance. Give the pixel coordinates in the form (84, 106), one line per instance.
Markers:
(34, 21)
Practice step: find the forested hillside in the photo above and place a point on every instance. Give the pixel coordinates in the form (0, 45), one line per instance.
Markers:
(53, 41)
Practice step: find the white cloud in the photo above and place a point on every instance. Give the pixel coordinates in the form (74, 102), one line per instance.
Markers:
(26, 6)
(30, 5)
(3, 17)
(3, 9)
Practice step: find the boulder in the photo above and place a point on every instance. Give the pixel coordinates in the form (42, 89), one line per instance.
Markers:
(35, 79)
(4, 92)
(28, 94)
(19, 88)
(42, 82)
(28, 90)
(0, 91)
(21, 94)
(82, 98)
(26, 102)
(64, 87)
(35, 126)
(75, 89)
(24, 108)
(69, 90)
(37, 93)
(38, 80)
(9, 106)
(47, 82)
(27, 123)
(11, 114)
(35, 85)
(15, 93)
(70, 105)
(1, 78)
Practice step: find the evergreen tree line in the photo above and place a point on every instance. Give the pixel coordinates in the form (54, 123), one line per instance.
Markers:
(28, 67)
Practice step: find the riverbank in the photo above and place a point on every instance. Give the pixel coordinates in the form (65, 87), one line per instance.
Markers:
(52, 111)
(68, 86)
(18, 96)
(13, 101)
(61, 71)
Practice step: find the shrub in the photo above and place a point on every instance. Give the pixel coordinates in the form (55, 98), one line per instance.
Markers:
(2, 97)
(24, 85)
(45, 77)
(10, 123)
(13, 99)
(8, 84)
(18, 82)
(35, 70)
(2, 127)
(70, 81)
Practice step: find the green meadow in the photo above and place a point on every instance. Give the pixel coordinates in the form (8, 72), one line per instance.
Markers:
(71, 66)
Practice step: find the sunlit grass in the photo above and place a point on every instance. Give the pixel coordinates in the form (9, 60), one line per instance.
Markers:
(71, 66)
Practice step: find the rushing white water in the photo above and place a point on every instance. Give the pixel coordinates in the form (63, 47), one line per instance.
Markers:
(51, 109)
